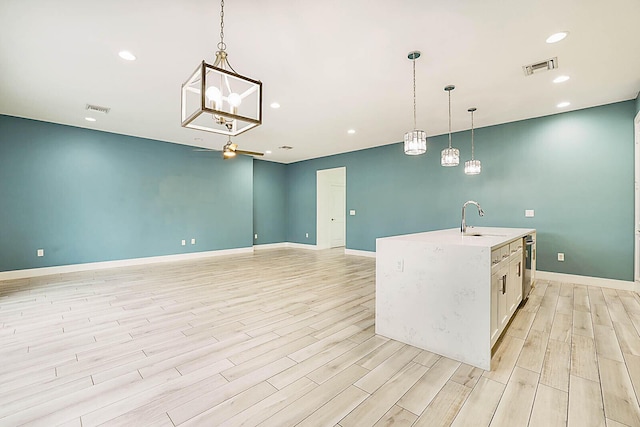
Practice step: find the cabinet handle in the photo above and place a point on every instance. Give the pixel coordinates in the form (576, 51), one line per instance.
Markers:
(533, 253)
(504, 284)
(519, 268)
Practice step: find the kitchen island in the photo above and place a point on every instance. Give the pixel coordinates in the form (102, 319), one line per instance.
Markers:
(448, 292)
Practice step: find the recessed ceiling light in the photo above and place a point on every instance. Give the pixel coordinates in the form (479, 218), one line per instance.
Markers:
(275, 105)
(563, 104)
(561, 79)
(351, 131)
(555, 38)
(90, 119)
(267, 152)
(126, 55)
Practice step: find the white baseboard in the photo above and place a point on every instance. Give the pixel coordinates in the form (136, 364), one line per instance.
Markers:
(587, 280)
(271, 245)
(370, 254)
(73, 268)
(302, 246)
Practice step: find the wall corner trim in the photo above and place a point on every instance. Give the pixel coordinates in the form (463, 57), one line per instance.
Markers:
(73, 268)
(369, 254)
(622, 285)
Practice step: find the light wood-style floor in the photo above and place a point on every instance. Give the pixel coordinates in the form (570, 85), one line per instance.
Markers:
(285, 337)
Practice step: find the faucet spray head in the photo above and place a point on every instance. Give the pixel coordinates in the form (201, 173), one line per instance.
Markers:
(480, 211)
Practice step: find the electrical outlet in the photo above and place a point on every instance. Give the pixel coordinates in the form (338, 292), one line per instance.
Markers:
(193, 241)
(40, 252)
(560, 256)
(306, 235)
(529, 213)
(184, 242)
(352, 212)
(399, 265)
(255, 236)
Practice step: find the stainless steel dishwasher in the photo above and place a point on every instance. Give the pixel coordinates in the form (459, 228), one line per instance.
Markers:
(530, 265)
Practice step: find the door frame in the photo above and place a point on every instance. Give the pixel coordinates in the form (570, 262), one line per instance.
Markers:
(324, 179)
(636, 226)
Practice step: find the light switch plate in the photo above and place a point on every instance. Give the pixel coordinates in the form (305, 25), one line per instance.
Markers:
(193, 241)
(352, 212)
(40, 252)
(529, 213)
(560, 256)
(184, 242)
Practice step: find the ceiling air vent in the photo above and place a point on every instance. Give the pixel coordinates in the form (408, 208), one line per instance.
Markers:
(97, 108)
(285, 147)
(549, 64)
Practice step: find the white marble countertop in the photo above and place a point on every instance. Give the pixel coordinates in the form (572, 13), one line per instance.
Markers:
(490, 237)
(434, 290)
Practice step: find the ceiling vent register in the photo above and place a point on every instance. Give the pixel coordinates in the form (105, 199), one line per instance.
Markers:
(97, 108)
(538, 67)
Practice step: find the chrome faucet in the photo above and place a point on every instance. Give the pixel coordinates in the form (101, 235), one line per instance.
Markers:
(463, 226)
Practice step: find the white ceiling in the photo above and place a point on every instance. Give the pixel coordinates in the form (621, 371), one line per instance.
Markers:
(332, 65)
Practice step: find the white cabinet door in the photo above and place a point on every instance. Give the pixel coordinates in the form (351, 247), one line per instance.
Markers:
(503, 309)
(507, 275)
(514, 282)
(499, 313)
(496, 281)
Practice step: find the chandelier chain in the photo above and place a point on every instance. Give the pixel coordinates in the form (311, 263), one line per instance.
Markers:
(414, 94)
(449, 119)
(472, 148)
(222, 45)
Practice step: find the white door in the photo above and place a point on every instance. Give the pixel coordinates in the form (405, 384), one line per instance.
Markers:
(331, 206)
(338, 206)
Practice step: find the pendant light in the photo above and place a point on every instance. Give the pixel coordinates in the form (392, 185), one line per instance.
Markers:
(217, 99)
(415, 142)
(472, 167)
(450, 156)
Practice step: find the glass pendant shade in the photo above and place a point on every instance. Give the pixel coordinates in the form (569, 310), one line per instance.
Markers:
(450, 157)
(472, 167)
(415, 142)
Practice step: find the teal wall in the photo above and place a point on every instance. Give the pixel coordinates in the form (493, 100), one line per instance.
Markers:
(638, 103)
(88, 196)
(269, 202)
(574, 169)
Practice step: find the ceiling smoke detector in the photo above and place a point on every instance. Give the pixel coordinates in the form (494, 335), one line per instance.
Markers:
(97, 108)
(549, 64)
(285, 147)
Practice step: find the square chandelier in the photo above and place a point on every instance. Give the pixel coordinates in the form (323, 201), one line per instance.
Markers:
(221, 101)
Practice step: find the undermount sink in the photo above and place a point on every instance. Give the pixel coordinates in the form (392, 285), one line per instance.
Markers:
(479, 234)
